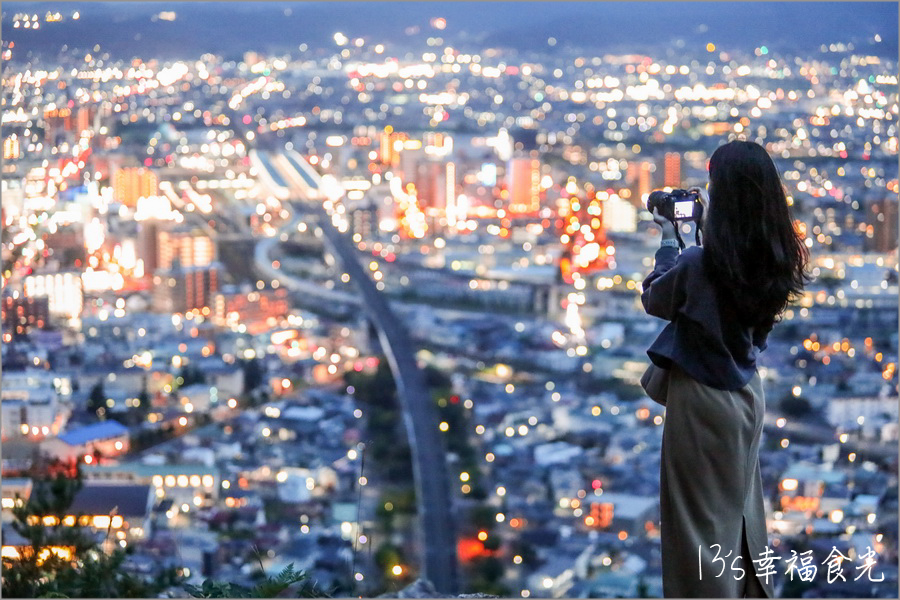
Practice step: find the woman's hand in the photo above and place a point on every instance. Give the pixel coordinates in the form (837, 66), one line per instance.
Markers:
(668, 228)
(704, 197)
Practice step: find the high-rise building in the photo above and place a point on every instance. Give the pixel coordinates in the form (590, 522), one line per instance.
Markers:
(449, 186)
(21, 314)
(882, 217)
(132, 183)
(83, 120)
(411, 158)
(55, 124)
(523, 183)
(639, 178)
(431, 185)
(64, 291)
(183, 289)
(148, 245)
(390, 146)
(258, 310)
(364, 219)
(435, 190)
(11, 147)
(672, 170)
(190, 247)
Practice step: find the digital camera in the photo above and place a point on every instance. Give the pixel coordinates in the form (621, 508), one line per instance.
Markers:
(677, 205)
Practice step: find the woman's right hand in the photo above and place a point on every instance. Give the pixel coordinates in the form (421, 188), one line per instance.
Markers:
(704, 196)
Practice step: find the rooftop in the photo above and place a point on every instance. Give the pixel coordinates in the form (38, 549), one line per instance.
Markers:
(96, 431)
(102, 499)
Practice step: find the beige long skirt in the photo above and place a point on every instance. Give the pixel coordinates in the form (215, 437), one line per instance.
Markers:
(711, 498)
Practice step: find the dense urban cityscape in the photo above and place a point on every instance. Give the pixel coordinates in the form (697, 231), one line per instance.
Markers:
(372, 309)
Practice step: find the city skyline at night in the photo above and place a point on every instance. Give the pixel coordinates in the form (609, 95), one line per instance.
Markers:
(356, 287)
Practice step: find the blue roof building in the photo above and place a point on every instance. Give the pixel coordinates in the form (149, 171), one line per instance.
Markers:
(94, 433)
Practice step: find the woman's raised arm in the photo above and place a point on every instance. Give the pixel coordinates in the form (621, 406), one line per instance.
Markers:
(665, 288)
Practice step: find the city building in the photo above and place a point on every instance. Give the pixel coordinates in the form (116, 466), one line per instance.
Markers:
(812, 489)
(106, 439)
(639, 177)
(20, 315)
(119, 510)
(672, 170)
(192, 248)
(635, 515)
(883, 225)
(15, 492)
(390, 145)
(183, 289)
(64, 292)
(33, 412)
(364, 218)
(180, 483)
(257, 310)
(148, 249)
(523, 183)
(131, 183)
(11, 147)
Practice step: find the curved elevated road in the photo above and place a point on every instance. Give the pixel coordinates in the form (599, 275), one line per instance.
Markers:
(263, 262)
(437, 523)
(437, 527)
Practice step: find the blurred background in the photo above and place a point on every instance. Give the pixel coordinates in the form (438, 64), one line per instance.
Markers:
(343, 298)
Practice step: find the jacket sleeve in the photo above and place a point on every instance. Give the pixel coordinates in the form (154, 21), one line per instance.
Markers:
(664, 290)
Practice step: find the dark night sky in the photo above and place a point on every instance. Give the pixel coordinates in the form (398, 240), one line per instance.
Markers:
(126, 29)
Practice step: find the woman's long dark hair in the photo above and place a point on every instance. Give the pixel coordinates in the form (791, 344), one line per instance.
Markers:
(753, 253)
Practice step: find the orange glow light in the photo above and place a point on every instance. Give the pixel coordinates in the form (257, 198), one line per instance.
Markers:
(468, 549)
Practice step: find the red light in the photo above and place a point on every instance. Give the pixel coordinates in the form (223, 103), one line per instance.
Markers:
(596, 484)
(468, 549)
(247, 119)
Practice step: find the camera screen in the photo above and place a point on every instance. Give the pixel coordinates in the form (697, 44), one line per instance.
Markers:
(684, 210)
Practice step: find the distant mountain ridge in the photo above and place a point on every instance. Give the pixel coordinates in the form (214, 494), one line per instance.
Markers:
(128, 28)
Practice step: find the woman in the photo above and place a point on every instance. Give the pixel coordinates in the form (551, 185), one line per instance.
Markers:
(722, 300)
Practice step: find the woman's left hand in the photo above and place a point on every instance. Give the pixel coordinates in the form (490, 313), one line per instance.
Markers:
(667, 227)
